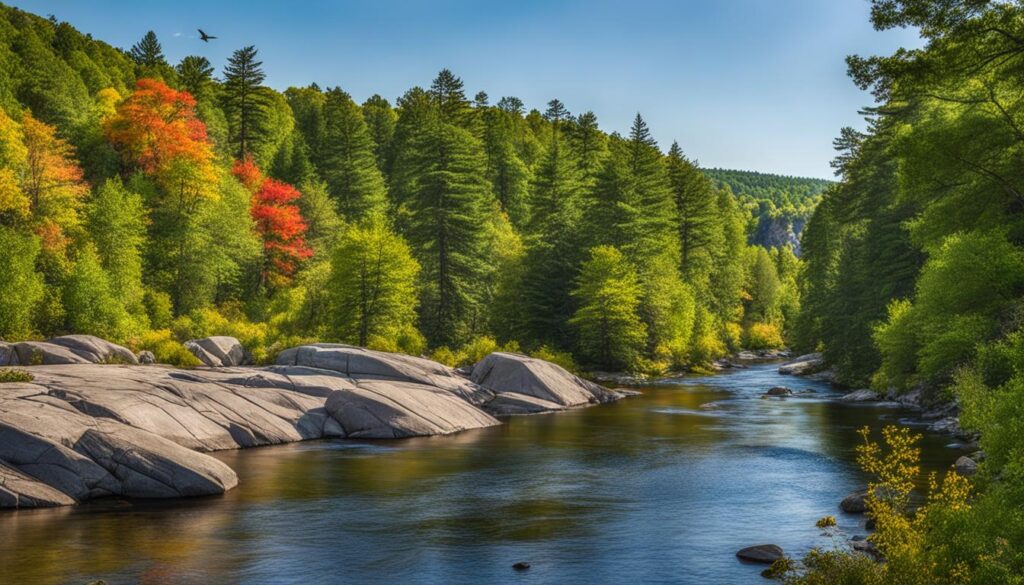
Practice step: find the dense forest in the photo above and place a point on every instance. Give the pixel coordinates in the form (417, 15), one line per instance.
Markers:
(914, 283)
(150, 203)
(777, 206)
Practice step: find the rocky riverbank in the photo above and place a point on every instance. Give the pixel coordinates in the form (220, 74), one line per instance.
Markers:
(85, 428)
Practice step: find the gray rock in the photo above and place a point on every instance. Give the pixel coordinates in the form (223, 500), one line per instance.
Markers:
(95, 350)
(966, 466)
(8, 356)
(855, 503)
(390, 410)
(508, 372)
(18, 490)
(803, 365)
(948, 425)
(861, 396)
(32, 353)
(146, 357)
(219, 351)
(512, 403)
(762, 553)
(866, 547)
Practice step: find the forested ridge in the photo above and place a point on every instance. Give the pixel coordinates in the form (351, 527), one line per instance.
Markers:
(149, 203)
(913, 282)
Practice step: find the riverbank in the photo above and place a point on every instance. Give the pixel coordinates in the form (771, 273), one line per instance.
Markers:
(81, 430)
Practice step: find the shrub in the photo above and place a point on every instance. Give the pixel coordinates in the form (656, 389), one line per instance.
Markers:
(12, 376)
(477, 349)
(763, 336)
(165, 348)
(444, 355)
(559, 358)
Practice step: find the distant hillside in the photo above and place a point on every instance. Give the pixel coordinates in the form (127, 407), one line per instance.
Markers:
(777, 206)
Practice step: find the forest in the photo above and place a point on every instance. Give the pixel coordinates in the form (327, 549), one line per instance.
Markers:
(913, 282)
(150, 203)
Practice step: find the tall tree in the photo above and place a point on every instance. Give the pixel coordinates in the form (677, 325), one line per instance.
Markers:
(349, 166)
(148, 52)
(447, 91)
(695, 201)
(195, 73)
(380, 120)
(244, 102)
(611, 334)
(117, 225)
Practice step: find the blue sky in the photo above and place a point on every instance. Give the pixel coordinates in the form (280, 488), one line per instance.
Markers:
(746, 84)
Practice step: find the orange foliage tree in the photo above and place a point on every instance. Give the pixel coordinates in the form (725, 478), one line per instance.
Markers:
(278, 221)
(156, 129)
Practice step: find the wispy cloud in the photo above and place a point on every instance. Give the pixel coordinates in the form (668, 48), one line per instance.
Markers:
(176, 35)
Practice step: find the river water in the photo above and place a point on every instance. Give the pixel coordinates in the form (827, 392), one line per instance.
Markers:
(659, 488)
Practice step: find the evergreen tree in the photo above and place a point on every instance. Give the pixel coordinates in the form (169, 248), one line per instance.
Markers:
(380, 120)
(447, 231)
(148, 53)
(244, 102)
(589, 146)
(447, 92)
(349, 166)
(696, 207)
(611, 334)
(508, 174)
(195, 75)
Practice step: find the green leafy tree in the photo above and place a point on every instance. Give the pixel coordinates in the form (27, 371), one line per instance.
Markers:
(372, 283)
(89, 300)
(116, 221)
(611, 334)
(21, 286)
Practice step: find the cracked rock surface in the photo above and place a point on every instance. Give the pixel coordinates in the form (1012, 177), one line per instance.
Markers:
(80, 431)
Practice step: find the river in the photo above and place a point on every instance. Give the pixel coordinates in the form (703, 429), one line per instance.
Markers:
(659, 488)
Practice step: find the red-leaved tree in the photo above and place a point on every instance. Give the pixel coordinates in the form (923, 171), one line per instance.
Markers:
(278, 222)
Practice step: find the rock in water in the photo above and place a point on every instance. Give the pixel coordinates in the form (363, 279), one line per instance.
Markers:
(861, 396)
(502, 373)
(779, 391)
(219, 351)
(966, 466)
(854, 503)
(762, 553)
(521, 566)
(802, 365)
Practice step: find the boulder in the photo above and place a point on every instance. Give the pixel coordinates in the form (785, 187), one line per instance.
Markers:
(508, 372)
(867, 548)
(512, 403)
(8, 356)
(146, 357)
(966, 466)
(18, 490)
(386, 409)
(95, 350)
(762, 553)
(778, 391)
(803, 365)
(361, 364)
(854, 503)
(31, 353)
(861, 396)
(950, 425)
(219, 351)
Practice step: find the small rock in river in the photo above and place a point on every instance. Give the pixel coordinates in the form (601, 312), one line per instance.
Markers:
(854, 503)
(966, 466)
(778, 391)
(521, 566)
(762, 553)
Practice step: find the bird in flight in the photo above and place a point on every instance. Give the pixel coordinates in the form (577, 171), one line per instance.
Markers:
(203, 36)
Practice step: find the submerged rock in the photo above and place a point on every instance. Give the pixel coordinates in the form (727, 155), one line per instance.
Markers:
(761, 553)
(521, 566)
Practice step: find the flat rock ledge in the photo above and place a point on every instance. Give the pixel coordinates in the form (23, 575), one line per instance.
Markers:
(83, 430)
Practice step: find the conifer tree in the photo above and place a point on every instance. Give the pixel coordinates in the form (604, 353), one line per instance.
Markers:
(447, 231)
(349, 166)
(695, 202)
(447, 92)
(195, 74)
(148, 52)
(244, 103)
(380, 120)
(508, 174)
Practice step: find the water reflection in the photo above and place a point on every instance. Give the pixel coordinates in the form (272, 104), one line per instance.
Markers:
(661, 488)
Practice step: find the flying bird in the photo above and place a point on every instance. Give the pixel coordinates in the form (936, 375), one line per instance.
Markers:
(203, 36)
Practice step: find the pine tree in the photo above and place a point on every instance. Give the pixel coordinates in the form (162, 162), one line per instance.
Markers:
(447, 230)
(147, 52)
(695, 202)
(611, 334)
(195, 74)
(244, 102)
(589, 146)
(380, 119)
(349, 166)
(447, 92)
(508, 174)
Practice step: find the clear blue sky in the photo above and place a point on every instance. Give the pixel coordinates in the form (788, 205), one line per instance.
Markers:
(745, 84)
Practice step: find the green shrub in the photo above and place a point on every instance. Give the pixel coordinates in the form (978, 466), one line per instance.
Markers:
(10, 376)
(165, 348)
(763, 336)
(444, 355)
